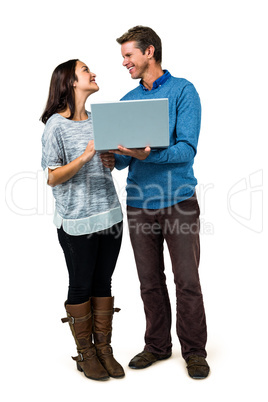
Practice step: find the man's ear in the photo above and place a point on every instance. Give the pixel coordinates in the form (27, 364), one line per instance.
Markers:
(150, 51)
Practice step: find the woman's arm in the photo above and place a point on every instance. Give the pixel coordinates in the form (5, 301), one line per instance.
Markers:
(63, 173)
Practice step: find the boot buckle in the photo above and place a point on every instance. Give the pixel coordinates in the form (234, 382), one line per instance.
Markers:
(71, 320)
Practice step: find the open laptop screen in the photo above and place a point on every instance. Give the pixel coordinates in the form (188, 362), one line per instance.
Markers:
(132, 124)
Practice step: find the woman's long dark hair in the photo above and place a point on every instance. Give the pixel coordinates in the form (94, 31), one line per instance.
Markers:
(61, 91)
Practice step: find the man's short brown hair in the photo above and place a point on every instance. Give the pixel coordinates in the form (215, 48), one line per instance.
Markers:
(144, 37)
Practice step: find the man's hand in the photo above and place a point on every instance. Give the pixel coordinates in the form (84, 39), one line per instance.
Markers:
(108, 160)
(140, 154)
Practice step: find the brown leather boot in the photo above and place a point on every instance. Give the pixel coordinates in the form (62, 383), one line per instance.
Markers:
(79, 317)
(103, 310)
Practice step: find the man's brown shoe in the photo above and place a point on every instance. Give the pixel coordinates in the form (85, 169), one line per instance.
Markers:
(146, 359)
(197, 367)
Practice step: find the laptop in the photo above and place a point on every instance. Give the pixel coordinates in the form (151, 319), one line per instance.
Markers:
(132, 124)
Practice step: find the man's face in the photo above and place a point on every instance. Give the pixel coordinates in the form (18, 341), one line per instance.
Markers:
(136, 62)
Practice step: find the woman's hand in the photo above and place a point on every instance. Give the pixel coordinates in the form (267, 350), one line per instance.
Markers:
(89, 151)
(108, 160)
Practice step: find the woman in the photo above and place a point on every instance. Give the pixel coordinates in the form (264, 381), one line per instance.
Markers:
(88, 216)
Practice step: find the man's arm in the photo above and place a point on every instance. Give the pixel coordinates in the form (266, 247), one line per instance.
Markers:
(187, 131)
(187, 134)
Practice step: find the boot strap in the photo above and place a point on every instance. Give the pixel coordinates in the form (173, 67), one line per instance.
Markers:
(73, 320)
(85, 354)
(78, 358)
(106, 312)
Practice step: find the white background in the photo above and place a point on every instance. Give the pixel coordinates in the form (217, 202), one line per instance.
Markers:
(220, 46)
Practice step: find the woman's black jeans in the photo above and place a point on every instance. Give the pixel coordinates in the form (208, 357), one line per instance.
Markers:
(91, 261)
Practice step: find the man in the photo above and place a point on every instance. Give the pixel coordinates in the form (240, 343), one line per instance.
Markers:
(162, 205)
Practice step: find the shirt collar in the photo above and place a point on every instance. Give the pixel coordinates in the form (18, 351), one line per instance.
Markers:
(160, 81)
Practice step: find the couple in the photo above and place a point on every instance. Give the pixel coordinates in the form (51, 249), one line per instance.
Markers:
(88, 215)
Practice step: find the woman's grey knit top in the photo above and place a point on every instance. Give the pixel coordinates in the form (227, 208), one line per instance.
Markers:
(87, 202)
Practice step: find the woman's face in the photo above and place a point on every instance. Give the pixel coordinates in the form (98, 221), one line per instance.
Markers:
(85, 79)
